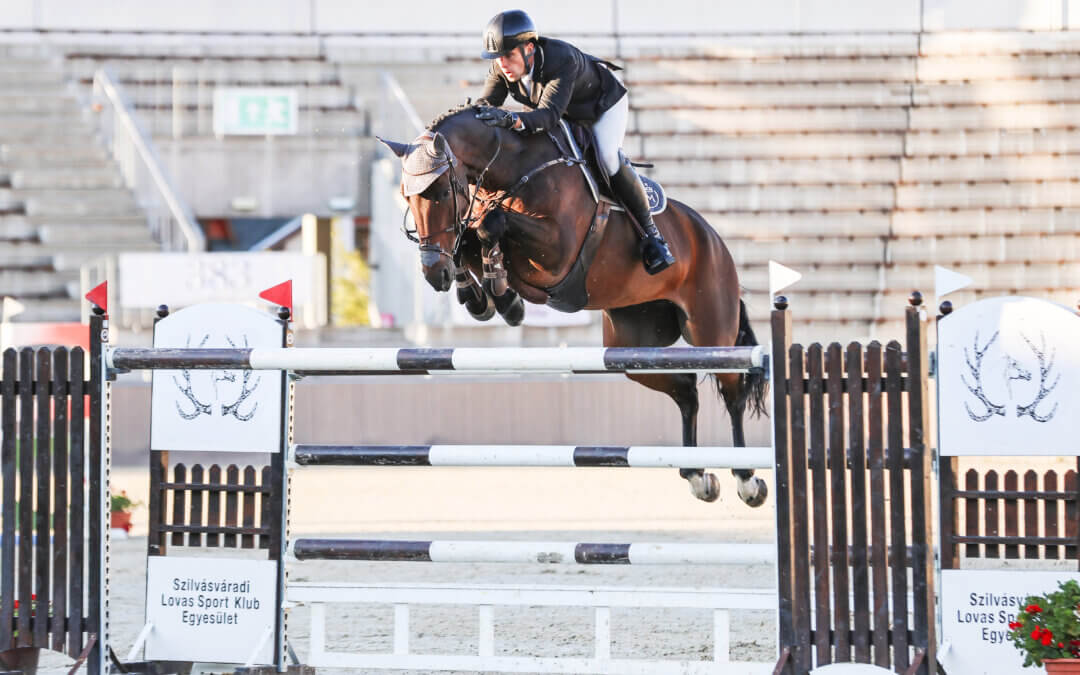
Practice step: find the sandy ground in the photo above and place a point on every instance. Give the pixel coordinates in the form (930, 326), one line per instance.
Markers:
(538, 504)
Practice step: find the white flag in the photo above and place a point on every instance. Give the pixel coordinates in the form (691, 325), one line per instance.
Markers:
(946, 281)
(780, 277)
(12, 307)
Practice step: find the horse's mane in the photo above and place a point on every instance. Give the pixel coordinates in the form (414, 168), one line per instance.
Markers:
(467, 105)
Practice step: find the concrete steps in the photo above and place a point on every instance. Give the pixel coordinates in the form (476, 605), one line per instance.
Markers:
(62, 256)
(69, 179)
(767, 224)
(787, 70)
(750, 171)
(25, 283)
(721, 145)
(808, 251)
(765, 95)
(208, 71)
(786, 197)
(775, 120)
(34, 101)
(75, 153)
(1042, 248)
(80, 234)
(87, 231)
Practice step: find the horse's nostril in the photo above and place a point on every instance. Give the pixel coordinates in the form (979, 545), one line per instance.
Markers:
(446, 278)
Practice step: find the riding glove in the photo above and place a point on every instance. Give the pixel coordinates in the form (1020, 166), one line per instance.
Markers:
(496, 117)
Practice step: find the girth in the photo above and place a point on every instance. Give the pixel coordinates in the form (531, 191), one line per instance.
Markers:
(571, 294)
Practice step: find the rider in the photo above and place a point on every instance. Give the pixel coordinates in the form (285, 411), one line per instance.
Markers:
(557, 80)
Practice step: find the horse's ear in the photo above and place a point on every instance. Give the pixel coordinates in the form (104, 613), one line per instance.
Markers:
(440, 145)
(399, 149)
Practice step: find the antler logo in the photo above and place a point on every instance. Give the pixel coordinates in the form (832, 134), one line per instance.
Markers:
(1013, 371)
(228, 400)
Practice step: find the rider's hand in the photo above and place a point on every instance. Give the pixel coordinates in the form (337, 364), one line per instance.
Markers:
(496, 117)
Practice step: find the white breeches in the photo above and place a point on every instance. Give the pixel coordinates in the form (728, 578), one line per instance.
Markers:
(609, 131)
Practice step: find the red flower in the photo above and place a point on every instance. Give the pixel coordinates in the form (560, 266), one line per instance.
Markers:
(1013, 625)
(1033, 609)
(1047, 638)
(1037, 633)
(1060, 645)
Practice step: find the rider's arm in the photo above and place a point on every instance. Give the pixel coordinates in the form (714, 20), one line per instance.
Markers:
(495, 90)
(555, 98)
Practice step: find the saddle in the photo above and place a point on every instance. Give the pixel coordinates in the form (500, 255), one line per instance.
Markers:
(577, 141)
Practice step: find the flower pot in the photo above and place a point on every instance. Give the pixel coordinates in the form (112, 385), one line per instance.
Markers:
(22, 658)
(120, 520)
(1062, 666)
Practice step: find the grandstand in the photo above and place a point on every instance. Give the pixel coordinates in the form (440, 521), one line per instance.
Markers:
(862, 159)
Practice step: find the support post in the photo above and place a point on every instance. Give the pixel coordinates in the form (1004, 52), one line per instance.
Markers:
(779, 372)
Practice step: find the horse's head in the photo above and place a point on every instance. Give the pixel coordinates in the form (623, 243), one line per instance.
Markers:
(435, 185)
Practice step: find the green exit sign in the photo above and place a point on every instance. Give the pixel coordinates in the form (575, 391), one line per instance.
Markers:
(251, 111)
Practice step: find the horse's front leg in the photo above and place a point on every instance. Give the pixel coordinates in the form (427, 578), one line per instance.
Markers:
(496, 282)
(478, 303)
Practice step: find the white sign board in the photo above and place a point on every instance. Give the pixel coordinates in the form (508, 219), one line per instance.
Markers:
(147, 280)
(255, 111)
(223, 410)
(210, 609)
(976, 608)
(1008, 379)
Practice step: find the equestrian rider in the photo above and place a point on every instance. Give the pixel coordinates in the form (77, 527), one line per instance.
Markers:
(556, 80)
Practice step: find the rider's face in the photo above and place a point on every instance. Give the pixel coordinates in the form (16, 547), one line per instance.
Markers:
(513, 65)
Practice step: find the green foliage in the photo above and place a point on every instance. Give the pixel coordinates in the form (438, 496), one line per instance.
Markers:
(122, 502)
(1049, 625)
(350, 289)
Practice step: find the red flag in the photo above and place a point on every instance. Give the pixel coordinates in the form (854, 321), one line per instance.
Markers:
(280, 295)
(100, 296)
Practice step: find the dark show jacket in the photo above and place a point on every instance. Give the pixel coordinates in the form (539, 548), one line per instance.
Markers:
(566, 81)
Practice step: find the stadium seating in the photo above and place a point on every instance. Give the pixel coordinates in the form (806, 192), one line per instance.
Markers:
(62, 201)
(861, 160)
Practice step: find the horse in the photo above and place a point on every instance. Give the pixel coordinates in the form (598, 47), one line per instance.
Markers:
(534, 216)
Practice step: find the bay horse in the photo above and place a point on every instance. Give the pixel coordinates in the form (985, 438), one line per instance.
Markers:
(535, 212)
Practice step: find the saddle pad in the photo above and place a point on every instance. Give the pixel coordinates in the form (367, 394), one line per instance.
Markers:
(656, 194)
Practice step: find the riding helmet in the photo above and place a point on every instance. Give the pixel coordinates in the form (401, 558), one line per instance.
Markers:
(506, 31)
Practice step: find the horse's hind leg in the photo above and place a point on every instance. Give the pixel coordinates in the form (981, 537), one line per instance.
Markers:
(713, 317)
(656, 325)
(750, 488)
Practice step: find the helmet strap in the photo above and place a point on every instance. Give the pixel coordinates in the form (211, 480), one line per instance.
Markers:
(527, 59)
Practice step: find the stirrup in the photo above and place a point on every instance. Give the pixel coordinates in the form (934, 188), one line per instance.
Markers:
(655, 255)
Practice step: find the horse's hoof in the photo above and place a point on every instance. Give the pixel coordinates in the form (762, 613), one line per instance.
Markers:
(515, 313)
(704, 486)
(753, 491)
(488, 310)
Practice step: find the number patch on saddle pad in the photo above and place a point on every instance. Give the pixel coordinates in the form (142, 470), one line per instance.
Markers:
(655, 192)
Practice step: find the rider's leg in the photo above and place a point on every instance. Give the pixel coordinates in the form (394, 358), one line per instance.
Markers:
(609, 131)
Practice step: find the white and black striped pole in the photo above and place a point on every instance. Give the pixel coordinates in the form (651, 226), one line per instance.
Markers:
(542, 552)
(533, 455)
(347, 360)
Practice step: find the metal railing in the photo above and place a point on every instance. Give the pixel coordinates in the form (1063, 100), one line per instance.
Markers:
(396, 118)
(171, 220)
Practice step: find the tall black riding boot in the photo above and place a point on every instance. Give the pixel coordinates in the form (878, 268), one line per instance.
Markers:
(655, 253)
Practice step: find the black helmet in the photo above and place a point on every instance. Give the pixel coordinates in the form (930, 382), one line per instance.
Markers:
(507, 30)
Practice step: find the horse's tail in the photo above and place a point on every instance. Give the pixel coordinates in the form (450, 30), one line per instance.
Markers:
(753, 386)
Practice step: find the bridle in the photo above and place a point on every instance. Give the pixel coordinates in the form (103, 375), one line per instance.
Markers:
(461, 224)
